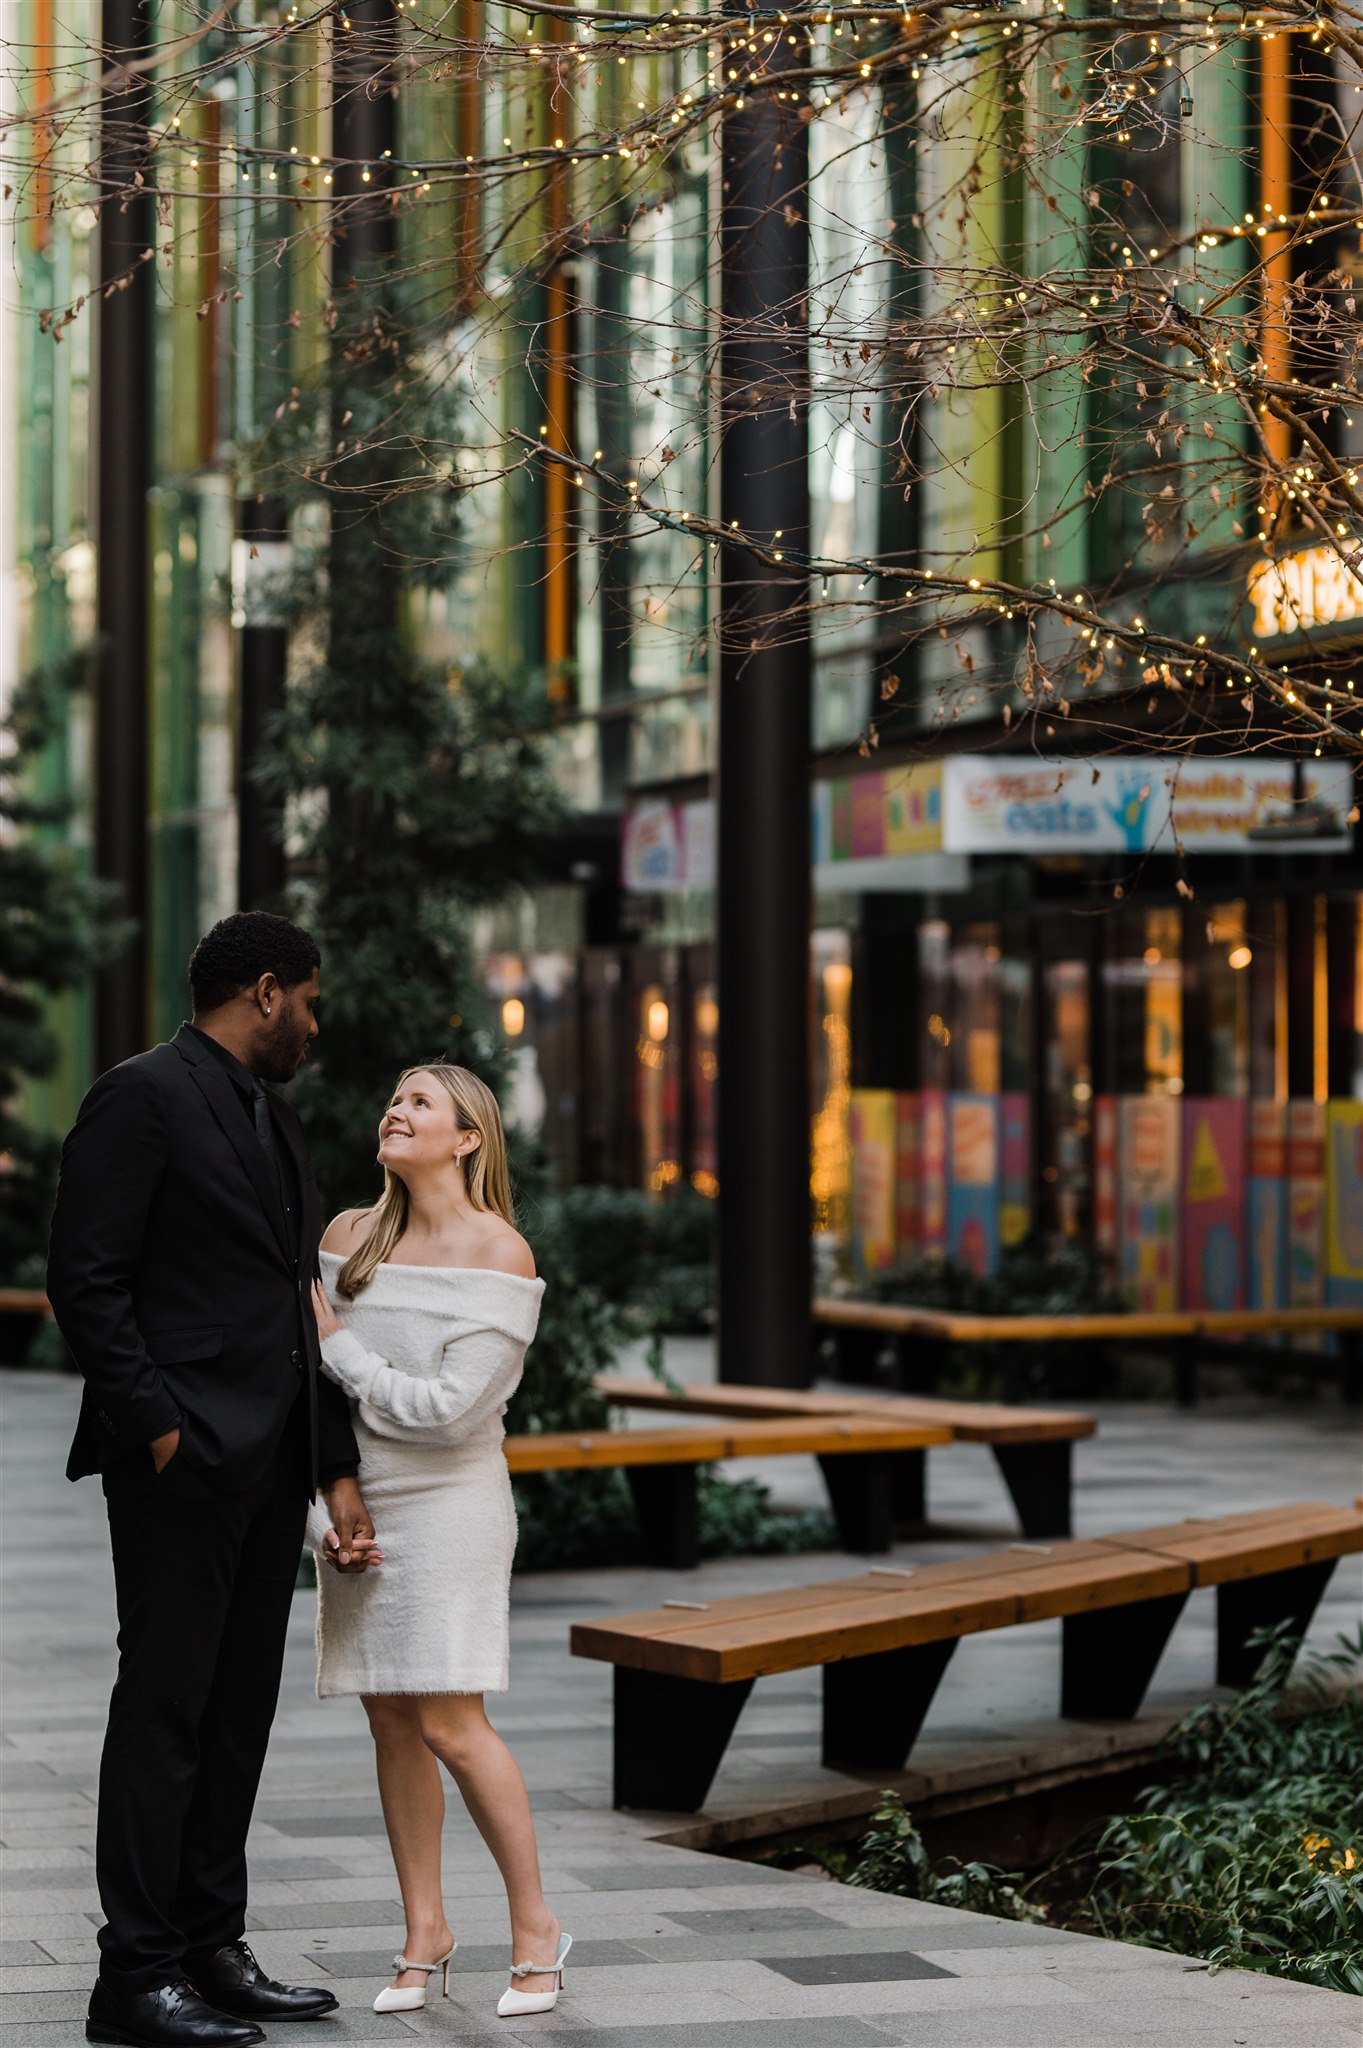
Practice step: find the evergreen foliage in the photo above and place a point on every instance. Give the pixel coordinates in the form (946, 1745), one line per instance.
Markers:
(415, 793)
(58, 926)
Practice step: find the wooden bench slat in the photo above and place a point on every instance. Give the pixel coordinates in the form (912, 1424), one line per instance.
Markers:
(952, 1326)
(598, 1449)
(850, 1619)
(968, 1421)
(1218, 1556)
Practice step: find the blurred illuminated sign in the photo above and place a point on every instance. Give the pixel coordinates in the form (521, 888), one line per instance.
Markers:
(1314, 587)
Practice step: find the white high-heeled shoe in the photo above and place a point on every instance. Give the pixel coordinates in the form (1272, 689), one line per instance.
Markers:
(411, 1998)
(512, 2002)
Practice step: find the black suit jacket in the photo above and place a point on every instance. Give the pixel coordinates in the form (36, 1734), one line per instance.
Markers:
(173, 1279)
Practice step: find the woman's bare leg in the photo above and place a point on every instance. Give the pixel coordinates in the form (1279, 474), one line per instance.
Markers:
(413, 1796)
(457, 1730)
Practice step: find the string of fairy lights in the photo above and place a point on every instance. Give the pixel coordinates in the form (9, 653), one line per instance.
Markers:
(700, 67)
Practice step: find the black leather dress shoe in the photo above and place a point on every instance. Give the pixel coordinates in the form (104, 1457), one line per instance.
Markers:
(233, 1980)
(173, 2016)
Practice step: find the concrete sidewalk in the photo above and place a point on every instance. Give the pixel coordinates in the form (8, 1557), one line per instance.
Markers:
(674, 1948)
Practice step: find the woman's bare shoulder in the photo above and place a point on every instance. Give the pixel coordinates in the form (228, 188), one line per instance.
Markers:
(344, 1232)
(502, 1249)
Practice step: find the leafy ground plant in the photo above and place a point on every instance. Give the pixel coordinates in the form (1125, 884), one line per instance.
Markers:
(893, 1857)
(1253, 1857)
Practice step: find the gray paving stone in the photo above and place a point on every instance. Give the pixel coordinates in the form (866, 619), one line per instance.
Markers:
(339, 1913)
(763, 1920)
(474, 1957)
(679, 1872)
(820, 2033)
(870, 1967)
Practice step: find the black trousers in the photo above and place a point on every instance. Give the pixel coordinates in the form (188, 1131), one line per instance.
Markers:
(204, 1580)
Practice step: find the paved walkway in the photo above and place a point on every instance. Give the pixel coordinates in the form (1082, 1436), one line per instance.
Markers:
(673, 1946)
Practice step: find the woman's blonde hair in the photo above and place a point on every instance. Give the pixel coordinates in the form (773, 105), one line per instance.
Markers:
(487, 1177)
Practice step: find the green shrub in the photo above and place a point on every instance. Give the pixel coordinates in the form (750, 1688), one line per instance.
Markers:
(652, 1258)
(892, 1857)
(1040, 1276)
(1254, 1859)
(573, 1519)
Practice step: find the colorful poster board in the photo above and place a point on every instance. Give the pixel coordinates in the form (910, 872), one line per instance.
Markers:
(1305, 1203)
(872, 1125)
(1266, 1206)
(1148, 1146)
(908, 1177)
(973, 1188)
(1344, 1204)
(1015, 1188)
(1213, 1227)
(932, 1154)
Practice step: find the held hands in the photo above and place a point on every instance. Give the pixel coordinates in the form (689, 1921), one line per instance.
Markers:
(328, 1324)
(349, 1545)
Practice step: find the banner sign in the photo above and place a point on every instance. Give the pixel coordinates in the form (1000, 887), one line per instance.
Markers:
(1132, 804)
(665, 848)
(1266, 1199)
(1344, 1201)
(1148, 1127)
(980, 803)
(932, 1154)
(872, 1126)
(973, 1183)
(1015, 1191)
(1213, 1203)
(908, 1176)
(1305, 1205)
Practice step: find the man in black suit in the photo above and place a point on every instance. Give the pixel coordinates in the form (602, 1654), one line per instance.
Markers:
(183, 1249)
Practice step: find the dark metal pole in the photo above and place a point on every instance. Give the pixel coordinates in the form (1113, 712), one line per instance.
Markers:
(124, 399)
(763, 753)
(263, 660)
(364, 134)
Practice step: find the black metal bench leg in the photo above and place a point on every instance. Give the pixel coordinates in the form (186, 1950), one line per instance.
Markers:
(1351, 1367)
(668, 1512)
(1108, 1658)
(860, 1493)
(1183, 1353)
(1246, 1605)
(920, 1363)
(670, 1734)
(1039, 1478)
(873, 1707)
(908, 1488)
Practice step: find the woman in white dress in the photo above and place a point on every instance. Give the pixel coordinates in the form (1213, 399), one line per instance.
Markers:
(428, 1303)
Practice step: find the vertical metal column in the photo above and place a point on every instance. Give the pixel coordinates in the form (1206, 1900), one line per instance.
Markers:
(364, 134)
(262, 674)
(763, 750)
(125, 398)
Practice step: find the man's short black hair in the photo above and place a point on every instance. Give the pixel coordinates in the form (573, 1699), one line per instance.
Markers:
(241, 948)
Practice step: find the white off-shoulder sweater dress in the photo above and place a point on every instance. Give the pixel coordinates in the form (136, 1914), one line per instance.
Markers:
(429, 1356)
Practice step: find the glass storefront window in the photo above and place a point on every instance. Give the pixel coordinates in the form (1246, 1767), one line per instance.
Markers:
(704, 1063)
(1230, 955)
(657, 1085)
(1143, 990)
(976, 1043)
(830, 1151)
(1067, 1097)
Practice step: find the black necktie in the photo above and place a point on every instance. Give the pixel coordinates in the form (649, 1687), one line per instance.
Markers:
(264, 1128)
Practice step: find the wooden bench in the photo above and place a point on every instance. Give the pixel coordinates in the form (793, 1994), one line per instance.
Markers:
(883, 1640)
(923, 1337)
(856, 1456)
(1033, 1447)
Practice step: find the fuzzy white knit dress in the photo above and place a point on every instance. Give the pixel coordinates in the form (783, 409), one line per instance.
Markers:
(429, 1356)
